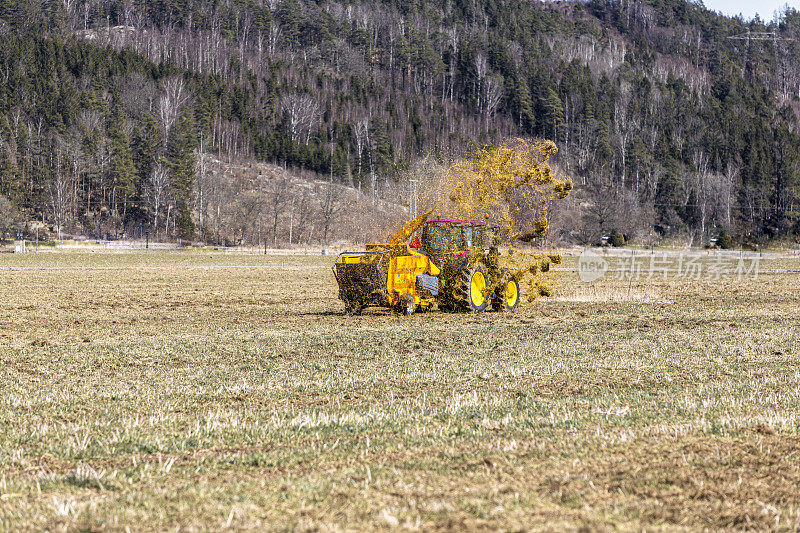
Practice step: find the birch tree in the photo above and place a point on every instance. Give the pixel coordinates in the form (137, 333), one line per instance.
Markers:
(171, 103)
(158, 185)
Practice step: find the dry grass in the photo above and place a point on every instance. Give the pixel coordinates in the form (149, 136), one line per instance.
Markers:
(605, 292)
(192, 397)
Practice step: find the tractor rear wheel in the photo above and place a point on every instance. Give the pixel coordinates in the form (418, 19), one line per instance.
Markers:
(507, 296)
(474, 289)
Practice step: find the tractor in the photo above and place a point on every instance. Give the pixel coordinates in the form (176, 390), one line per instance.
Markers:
(455, 266)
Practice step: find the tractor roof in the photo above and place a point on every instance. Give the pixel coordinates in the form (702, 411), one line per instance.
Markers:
(460, 222)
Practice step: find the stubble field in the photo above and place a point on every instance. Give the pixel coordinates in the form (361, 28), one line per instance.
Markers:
(203, 391)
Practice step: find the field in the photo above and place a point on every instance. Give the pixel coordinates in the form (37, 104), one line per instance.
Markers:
(203, 391)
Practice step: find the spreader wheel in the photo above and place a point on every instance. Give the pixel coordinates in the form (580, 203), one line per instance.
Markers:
(407, 304)
(353, 307)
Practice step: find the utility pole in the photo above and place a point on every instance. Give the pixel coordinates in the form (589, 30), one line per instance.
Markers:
(329, 200)
(413, 186)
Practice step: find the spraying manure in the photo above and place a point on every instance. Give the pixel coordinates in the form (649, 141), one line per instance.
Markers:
(494, 199)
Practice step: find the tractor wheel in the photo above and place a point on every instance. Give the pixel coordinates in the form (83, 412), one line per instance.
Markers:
(474, 289)
(507, 296)
(407, 304)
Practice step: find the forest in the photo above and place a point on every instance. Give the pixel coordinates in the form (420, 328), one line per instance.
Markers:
(119, 117)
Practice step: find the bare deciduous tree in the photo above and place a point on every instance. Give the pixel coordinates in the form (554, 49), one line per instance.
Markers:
(360, 134)
(493, 95)
(158, 184)
(273, 37)
(623, 126)
(302, 111)
(138, 94)
(247, 208)
(60, 186)
(331, 208)
(699, 185)
(452, 34)
(171, 103)
(91, 119)
(727, 191)
(305, 215)
(69, 9)
(277, 190)
(481, 68)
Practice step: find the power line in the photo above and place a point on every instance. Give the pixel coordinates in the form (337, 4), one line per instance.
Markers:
(761, 36)
(736, 207)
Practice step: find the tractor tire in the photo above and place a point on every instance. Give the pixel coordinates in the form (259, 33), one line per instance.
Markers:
(473, 289)
(506, 298)
(407, 304)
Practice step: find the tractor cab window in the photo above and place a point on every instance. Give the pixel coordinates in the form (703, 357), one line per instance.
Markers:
(450, 238)
(456, 239)
(436, 238)
(444, 238)
(477, 238)
(473, 237)
(468, 237)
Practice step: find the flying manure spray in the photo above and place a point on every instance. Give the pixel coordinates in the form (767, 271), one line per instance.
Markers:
(512, 186)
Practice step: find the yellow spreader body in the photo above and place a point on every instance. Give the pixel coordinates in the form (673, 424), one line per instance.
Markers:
(386, 275)
(402, 278)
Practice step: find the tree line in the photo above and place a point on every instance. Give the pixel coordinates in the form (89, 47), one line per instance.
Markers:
(106, 116)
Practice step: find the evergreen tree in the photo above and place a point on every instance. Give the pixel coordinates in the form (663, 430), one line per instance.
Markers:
(554, 111)
(11, 185)
(122, 171)
(523, 105)
(146, 146)
(382, 148)
(181, 158)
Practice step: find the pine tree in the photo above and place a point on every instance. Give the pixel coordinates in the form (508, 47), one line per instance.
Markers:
(181, 158)
(123, 173)
(554, 110)
(146, 146)
(382, 148)
(290, 13)
(11, 185)
(523, 105)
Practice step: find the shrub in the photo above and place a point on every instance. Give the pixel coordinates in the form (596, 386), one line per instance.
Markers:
(725, 241)
(616, 239)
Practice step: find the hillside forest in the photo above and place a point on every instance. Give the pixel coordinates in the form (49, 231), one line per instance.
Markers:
(247, 121)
